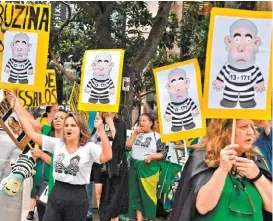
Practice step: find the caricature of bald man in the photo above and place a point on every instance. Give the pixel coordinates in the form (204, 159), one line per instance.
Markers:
(181, 108)
(240, 76)
(100, 86)
(19, 66)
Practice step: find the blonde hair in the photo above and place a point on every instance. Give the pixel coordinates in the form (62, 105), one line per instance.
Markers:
(218, 136)
(84, 131)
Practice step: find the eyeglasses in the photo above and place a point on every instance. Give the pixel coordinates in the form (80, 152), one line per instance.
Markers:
(240, 198)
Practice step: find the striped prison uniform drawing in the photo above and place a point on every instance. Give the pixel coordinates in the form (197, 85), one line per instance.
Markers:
(100, 88)
(239, 83)
(19, 69)
(181, 112)
(23, 165)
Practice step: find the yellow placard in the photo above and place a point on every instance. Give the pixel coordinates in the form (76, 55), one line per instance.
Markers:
(101, 80)
(179, 101)
(74, 100)
(24, 45)
(10, 123)
(238, 75)
(38, 99)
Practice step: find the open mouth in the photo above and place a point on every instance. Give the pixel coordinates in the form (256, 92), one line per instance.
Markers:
(69, 133)
(249, 140)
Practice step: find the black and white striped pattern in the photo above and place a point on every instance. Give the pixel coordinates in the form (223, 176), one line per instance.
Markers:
(100, 88)
(19, 69)
(24, 166)
(181, 112)
(240, 83)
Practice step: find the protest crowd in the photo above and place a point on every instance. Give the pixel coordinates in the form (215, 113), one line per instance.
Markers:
(205, 155)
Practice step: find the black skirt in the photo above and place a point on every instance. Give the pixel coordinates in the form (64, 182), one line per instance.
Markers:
(115, 197)
(96, 173)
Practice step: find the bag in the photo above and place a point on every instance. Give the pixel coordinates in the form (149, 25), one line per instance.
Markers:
(42, 195)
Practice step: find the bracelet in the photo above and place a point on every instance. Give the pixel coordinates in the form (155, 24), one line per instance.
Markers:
(256, 178)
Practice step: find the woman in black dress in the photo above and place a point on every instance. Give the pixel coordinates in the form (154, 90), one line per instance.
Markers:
(114, 176)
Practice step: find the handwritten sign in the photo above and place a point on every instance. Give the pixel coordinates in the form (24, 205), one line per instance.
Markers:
(24, 45)
(38, 99)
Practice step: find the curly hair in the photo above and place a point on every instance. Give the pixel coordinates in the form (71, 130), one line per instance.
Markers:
(84, 131)
(218, 136)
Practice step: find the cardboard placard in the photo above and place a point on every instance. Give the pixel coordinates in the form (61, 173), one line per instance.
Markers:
(101, 80)
(10, 123)
(24, 45)
(179, 101)
(74, 100)
(38, 99)
(238, 75)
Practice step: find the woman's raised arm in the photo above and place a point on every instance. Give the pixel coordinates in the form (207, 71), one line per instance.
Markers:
(27, 127)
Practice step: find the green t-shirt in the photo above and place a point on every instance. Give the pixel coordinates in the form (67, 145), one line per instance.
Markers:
(236, 199)
(40, 164)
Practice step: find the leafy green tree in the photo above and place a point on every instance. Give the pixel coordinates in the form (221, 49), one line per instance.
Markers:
(114, 25)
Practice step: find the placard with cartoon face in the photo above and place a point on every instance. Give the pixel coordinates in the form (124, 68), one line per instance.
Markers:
(178, 93)
(24, 46)
(101, 80)
(10, 123)
(238, 65)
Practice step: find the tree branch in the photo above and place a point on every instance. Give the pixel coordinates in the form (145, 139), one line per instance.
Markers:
(100, 12)
(154, 38)
(69, 75)
(66, 23)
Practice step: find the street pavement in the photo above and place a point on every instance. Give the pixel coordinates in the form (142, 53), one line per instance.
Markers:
(10, 207)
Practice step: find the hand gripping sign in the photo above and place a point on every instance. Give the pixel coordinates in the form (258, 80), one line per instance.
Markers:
(238, 66)
(101, 80)
(23, 56)
(178, 95)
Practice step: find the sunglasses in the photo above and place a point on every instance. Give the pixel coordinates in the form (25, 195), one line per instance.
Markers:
(240, 198)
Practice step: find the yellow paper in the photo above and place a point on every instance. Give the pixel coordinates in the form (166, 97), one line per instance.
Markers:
(234, 51)
(38, 99)
(179, 95)
(101, 80)
(74, 100)
(24, 45)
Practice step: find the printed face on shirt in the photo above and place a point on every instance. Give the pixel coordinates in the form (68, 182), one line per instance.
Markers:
(102, 66)
(20, 46)
(58, 120)
(145, 123)
(242, 44)
(244, 135)
(178, 85)
(71, 130)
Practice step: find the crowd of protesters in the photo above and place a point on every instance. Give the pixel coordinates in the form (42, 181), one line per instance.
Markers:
(219, 179)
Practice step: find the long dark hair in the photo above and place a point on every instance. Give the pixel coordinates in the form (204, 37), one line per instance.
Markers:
(47, 110)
